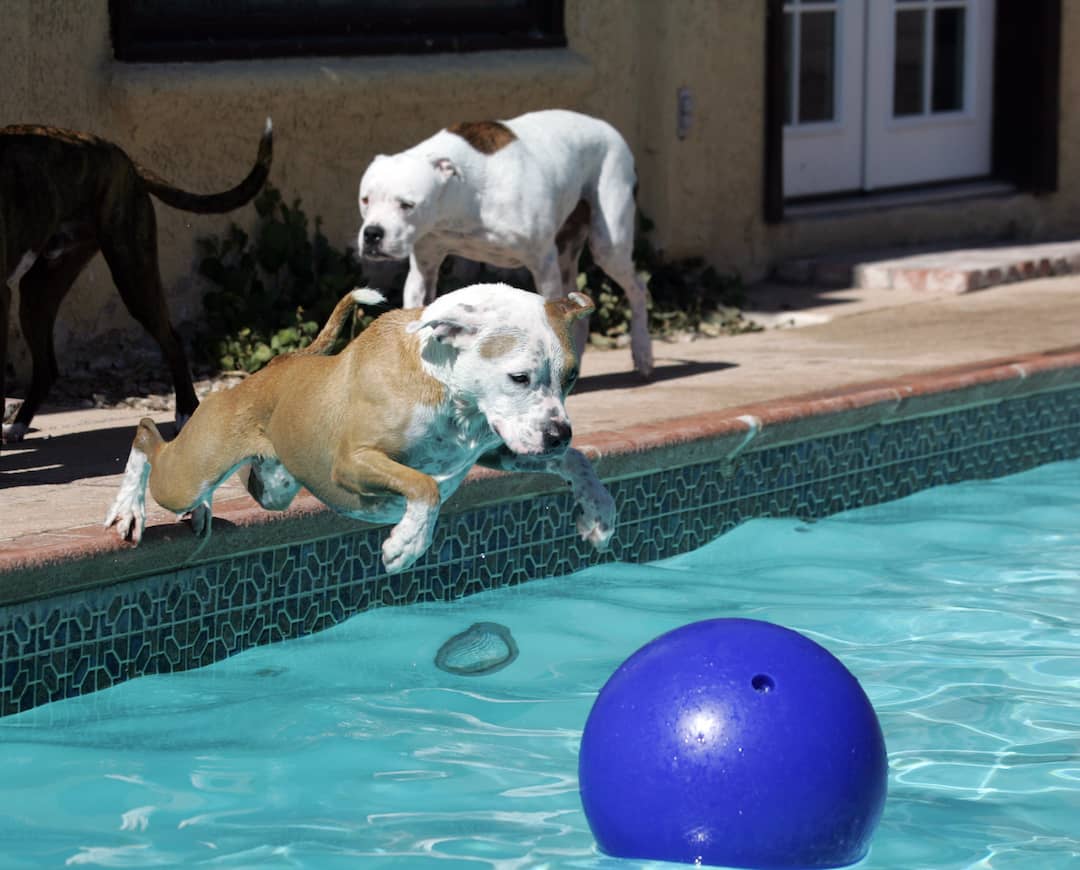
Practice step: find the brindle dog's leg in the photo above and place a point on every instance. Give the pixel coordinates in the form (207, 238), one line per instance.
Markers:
(40, 294)
(129, 243)
(5, 305)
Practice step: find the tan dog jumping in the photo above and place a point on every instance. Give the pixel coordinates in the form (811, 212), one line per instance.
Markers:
(386, 430)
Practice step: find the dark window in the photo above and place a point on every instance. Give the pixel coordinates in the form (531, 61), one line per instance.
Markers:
(909, 61)
(948, 88)
(817, 77)
(1027, 93)
(179, 30)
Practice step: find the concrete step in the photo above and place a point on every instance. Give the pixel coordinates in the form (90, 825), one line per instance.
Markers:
(955, 270)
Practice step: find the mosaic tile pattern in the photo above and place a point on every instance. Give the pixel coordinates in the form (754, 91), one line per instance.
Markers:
(79, 643)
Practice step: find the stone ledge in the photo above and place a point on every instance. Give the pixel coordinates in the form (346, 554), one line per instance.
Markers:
(952, 271)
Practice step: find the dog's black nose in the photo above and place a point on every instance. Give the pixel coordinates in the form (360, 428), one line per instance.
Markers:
(373, 235)
(557, 435)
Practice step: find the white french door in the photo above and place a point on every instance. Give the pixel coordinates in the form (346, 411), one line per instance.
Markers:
(824, 50)
(886, 93)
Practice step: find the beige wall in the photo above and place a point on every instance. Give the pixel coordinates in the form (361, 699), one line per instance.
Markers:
(198, 125)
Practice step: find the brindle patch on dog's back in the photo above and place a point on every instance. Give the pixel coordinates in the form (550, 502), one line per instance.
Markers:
(575, 229)
(487, 137)
(570, 240)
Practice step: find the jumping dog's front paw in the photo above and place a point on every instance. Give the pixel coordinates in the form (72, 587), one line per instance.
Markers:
(596, 518)
(399, 553)
(410, 538)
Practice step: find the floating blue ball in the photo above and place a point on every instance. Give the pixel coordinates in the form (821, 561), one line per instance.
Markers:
(734, 742)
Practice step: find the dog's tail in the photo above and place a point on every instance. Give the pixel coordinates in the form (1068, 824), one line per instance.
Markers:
(323, 343)
(216, 203)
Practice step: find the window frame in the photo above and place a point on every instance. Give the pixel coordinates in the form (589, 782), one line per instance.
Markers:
(154, 36)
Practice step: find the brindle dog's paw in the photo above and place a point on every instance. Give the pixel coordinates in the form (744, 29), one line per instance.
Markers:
(13, 433)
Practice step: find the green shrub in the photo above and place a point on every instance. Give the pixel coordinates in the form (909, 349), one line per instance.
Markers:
(271, 292)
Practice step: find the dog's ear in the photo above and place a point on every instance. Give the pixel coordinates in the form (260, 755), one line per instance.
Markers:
(445, 168)
(573, 307)
(456, 328)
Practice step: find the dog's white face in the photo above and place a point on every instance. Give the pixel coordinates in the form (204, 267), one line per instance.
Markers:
(398, 203)
(509, 354)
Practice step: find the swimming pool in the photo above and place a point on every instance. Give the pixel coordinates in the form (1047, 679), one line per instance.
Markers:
(958, 608)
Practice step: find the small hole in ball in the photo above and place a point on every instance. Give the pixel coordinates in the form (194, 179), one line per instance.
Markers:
(763, 683)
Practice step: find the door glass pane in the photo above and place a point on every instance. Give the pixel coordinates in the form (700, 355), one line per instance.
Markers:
(817, 66)
(947, 94)
(909, 62)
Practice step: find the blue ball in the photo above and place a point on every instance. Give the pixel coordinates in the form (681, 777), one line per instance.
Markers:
(734, 742)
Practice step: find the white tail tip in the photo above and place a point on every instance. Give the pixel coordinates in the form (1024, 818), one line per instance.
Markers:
(367, 296)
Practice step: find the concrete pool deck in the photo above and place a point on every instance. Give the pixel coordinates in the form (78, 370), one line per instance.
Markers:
(858, 357)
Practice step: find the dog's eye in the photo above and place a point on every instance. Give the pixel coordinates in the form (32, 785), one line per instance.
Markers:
(521, 378)
(363, 201)
(405, 204)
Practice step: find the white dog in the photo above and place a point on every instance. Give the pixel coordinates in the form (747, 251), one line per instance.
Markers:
(386, 430)
(528, 192)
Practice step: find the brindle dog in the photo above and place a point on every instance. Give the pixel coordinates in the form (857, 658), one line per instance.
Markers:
(63, 197)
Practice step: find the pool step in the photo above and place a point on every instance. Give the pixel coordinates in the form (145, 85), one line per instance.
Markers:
(956, 270)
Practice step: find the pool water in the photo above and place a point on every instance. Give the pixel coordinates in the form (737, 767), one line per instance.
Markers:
(957, 608)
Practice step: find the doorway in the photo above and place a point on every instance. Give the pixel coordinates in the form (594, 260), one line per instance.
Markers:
(880, 94)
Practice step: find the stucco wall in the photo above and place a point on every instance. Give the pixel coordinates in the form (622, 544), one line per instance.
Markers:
(198, 125)
(704, 191)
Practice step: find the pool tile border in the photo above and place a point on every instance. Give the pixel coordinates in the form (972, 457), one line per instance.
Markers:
(678, 484)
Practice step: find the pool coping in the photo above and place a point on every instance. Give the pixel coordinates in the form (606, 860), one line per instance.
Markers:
(41, 566)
